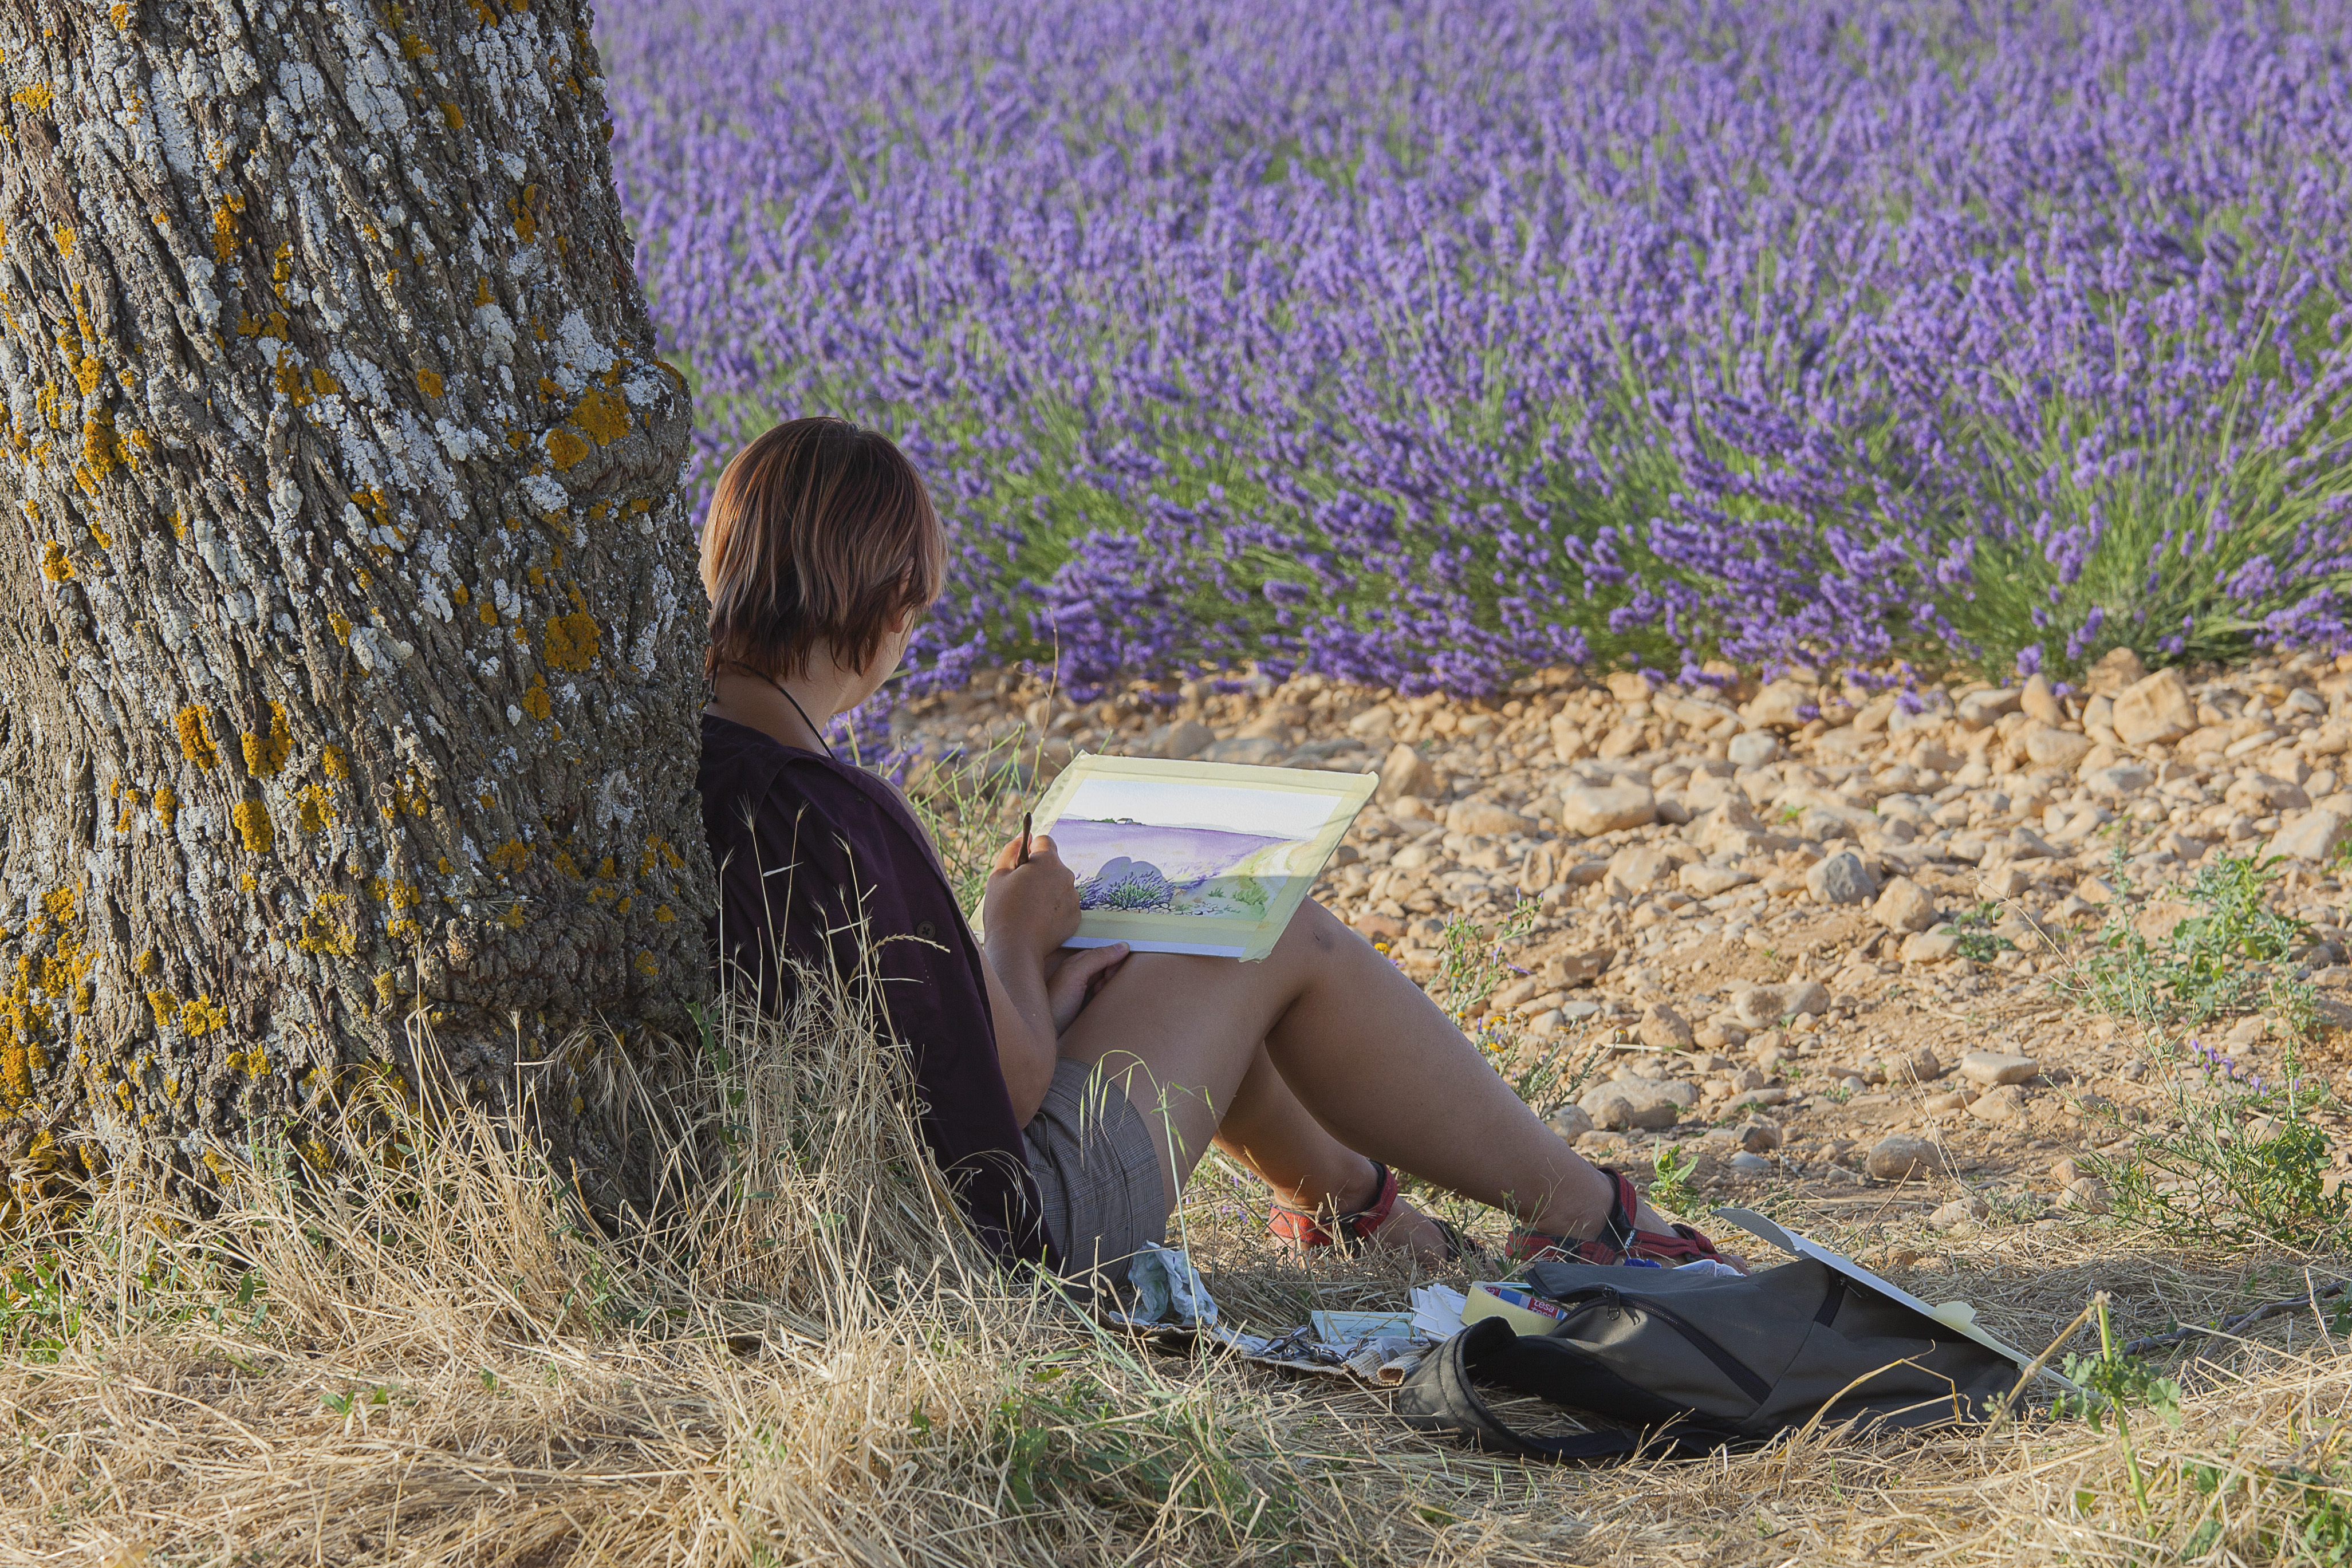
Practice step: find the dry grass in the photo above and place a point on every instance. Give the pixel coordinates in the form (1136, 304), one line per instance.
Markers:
(439, 1358)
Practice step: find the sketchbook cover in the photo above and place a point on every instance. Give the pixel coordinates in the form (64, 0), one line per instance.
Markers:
(1199, 858)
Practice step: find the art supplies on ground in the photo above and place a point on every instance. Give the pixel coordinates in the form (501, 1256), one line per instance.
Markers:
(1694, 1357)
(1199, 857)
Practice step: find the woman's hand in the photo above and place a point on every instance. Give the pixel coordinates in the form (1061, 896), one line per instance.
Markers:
(1030, 909)
(1072, 976)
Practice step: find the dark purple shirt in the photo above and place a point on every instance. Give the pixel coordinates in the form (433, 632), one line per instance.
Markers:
(824, 861)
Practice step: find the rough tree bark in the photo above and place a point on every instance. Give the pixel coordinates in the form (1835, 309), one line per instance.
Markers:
(348, 659)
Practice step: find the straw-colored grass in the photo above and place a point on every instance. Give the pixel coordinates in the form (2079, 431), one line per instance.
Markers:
(437, 1357)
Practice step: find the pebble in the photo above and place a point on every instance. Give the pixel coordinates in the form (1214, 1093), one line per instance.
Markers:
(2086, 1195)
(1841, 879)
(2155, 711)
(2003, 883)
(1636, 869)
(2312, 836)
(1487, 818)
(1691, 861)
(1664, 1027)
(2118, 781)
(1706, 882)
(1590, 810)
(1571, 1121)
(1958, 1213)
(1636, 1104)
(1931, 946)
(1900, 1156)
(1762, 1007)
(1904, 905)
(1187, 739)
(1405, 772)
(1999, 1105)
(1917, 1066)
(1996, 1068)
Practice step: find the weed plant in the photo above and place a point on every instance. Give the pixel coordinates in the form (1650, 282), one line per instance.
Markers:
(2233, 954)
(2237, 1160)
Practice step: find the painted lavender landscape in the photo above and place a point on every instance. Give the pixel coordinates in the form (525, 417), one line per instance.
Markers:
(1180, 870)
(1202, 858)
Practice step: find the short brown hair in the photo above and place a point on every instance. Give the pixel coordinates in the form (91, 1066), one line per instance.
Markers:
(821, 531)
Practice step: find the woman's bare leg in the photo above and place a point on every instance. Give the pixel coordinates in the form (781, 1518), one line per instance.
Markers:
(1378, 1068)
(1269, 1132)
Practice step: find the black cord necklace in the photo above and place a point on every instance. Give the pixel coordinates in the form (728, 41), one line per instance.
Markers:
(796, 708)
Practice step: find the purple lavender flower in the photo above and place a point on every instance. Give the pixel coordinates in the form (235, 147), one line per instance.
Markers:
(1421, 348)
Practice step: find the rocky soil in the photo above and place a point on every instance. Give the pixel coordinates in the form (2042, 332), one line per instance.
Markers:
(1813, 933)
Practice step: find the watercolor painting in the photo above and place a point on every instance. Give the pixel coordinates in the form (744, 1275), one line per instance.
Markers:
(1195, 857)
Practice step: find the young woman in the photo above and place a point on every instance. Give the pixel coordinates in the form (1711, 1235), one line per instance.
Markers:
(1069, 1093)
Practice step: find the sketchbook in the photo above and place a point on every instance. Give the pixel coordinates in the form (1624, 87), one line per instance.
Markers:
(1199, 858)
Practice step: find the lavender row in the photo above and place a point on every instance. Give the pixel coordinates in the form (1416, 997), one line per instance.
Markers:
(1418, 346)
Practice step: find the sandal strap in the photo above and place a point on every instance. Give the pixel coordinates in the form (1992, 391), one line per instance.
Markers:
(1618, 1240)
(1306, 1228)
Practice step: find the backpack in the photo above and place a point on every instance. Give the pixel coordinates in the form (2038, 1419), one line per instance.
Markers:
(1694, 1361)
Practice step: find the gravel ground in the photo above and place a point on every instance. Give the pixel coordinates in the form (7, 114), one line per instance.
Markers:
(1814, 935)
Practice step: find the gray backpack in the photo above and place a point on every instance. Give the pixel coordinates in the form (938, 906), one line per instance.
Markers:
(1691, 1363)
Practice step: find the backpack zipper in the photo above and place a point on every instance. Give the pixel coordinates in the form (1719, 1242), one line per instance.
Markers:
(1731, 1366)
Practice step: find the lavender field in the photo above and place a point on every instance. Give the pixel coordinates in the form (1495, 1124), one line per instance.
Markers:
(1424, 344)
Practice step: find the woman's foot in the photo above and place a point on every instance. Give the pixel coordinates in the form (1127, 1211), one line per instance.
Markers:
(1373, 1215)
(1431, 1241)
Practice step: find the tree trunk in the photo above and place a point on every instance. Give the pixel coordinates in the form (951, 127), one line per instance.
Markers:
(349, 655)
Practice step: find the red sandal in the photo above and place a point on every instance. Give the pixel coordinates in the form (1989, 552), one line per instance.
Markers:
(1307, 1229)
(1618, 1240)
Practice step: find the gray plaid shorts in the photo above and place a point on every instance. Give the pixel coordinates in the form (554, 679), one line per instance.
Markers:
(1097, 1172)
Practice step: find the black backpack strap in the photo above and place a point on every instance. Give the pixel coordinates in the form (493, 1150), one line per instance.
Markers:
(1440, 1397)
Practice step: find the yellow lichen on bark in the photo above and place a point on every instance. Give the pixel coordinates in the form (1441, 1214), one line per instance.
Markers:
(427, 382)
(565, 449)
(328, 927)
(331, 763)
(197, 743)
(55, 565)
(265, 750)
(603, 415)
(312, 809)
(225, 226)
(573, 641)
(252, 820)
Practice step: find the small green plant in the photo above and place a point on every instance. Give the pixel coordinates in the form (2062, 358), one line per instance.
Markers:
(2108, 1384)
(1671, 1173)
(1470, 964)
(2233, 955)
(2245, 1163)
(1067, 1436)
(37, 1312)
(1978, 941)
